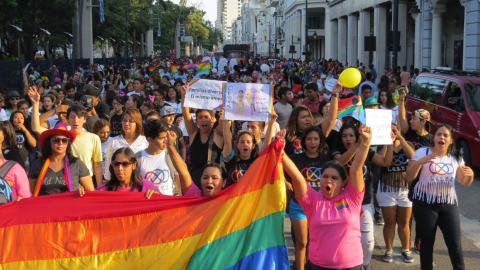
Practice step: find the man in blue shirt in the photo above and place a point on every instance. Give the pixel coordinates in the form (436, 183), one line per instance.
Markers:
(369, 77)
(374, 73)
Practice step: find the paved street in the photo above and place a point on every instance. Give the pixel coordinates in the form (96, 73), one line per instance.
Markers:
(469, 204)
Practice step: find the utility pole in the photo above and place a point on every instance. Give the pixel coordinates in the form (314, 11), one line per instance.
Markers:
(276, 32)
(306, 31)
(395, 35)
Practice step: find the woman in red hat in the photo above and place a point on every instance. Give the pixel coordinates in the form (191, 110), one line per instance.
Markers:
(58, 170)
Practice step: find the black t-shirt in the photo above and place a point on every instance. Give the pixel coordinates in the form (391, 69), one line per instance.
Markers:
(310, 168)
(54, 182)
(199, 157)
(90, 123)
(367, 172)
(115, 125)
(13, 153)
(103, 110)
(22, 144)
(333, 137)
(236, 169)
(294, 147)
(392, 178)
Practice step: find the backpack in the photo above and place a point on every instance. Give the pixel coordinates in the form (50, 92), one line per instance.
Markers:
(6, 194)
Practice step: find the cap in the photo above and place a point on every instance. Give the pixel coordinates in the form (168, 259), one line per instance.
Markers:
(59, 129)
(314, 74)
(277, 66)
(422, 114)
(167, 110)
(39, 81)
(13, 94)
(371, 101)
(57, 79)
(87, 102)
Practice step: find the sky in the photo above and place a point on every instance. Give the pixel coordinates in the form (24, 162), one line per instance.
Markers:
(211, 9)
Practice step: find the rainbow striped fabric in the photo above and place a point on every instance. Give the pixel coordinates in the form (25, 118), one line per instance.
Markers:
(202, 68)
(240, 228)
(152, 68)
(341, 204)
(352, 107)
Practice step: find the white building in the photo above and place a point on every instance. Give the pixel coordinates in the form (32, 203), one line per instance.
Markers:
(227, 12)
(444, 33)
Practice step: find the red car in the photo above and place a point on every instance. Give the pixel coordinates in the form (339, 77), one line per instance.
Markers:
(451, 97)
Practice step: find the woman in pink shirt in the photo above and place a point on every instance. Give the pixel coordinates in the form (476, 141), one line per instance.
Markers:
(333, 214)
(125, 175)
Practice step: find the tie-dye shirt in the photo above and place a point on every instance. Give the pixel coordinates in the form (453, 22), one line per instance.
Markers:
(334, 226)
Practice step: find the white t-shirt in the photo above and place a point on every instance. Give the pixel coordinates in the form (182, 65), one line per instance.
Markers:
(104, 152)
(177, 107)
(155, 169)
(3, 115)
(437, 179)
(394, 113)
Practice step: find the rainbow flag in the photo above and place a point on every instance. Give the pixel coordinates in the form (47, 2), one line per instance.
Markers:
(202, 68)
(240, 228)
(352, 107)
(152, 68)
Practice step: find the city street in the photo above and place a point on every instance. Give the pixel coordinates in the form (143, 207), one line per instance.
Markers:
(469, 202)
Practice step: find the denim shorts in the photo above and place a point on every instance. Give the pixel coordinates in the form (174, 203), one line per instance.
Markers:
(296, 212)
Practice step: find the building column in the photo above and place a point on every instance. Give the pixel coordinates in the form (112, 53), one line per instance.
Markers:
(333, 40)
(142, 45)
(380, 31)
(402, 28)
(353, 40)
(418, 42)
(364, 31)
(342, 40)
(426, 35)
(472, 36)
(149, 42)
(304, 38)
(436, 60)
(327, 32)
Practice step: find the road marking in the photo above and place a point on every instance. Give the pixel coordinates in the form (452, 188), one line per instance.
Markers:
(471, 229)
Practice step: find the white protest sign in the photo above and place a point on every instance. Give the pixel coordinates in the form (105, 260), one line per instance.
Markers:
(181, 125)
(381, 123)
(330, 83)
(204, 94)
(247, 101)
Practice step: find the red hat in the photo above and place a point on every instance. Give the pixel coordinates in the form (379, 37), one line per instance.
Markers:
(277, 66)
(60, 129)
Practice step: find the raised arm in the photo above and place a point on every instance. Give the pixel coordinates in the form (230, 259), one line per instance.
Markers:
(269, 133)
(407, 149)
(329, 121)
(356, 170)
(187, 118)
(299, 183)
(178, 163)
(402, 119)
(347, 156)
(25, 83)
(227, 139)
(35, 98)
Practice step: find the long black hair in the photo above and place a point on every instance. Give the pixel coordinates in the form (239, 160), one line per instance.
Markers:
(390, 103)
(322, 148)
(136, 179)
(323, 103)
(344, 127)
(47, 150)
(452, 148)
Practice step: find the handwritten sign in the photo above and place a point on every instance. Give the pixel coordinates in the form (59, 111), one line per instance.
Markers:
(381, 123)
(330, 83)
(204, 94)
(247, 101)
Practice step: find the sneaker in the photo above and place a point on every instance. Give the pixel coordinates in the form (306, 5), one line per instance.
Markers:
(379, 220)
(388, 257)
(417, 247)
(407, 256)
(366, 267)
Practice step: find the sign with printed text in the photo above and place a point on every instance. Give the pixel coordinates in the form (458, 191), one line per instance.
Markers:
(247, 101)
(381, 123)
(204, 94)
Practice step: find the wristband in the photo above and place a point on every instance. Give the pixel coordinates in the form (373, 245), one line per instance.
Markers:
(365, 144)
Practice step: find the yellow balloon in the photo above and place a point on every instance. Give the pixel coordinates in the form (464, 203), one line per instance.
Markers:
(350, 77)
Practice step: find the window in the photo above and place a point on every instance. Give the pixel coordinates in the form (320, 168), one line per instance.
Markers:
(472, 92)
(316, 20)
(454, 93)
(434, 90)
(417, 90)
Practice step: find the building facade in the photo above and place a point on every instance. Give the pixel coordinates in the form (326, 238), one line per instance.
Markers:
(227, 12)
(443, 33)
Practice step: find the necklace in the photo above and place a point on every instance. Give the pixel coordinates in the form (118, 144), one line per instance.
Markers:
(203, 140)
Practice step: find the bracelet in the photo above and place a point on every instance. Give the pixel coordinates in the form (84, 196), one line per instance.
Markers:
(365, 144)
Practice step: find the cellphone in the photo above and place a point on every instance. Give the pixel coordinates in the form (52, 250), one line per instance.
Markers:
(402, 91)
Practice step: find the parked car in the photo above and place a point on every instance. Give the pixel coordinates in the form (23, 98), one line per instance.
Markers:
(451, 97)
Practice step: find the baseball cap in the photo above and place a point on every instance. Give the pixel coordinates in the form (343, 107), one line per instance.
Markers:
(167, 110)
(314, 74)
(371, 101)
(422, 114)
(57, 80)
(39, 81)
(277, 66)
(87, 102)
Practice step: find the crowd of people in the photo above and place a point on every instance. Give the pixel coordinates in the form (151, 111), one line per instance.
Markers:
(114, 128)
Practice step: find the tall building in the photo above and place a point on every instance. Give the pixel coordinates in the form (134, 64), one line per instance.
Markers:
(227, 12)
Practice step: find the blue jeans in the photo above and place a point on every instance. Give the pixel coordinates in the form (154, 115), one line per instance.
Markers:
(446, 217)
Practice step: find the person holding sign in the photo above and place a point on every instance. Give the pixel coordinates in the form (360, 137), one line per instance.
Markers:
(344, 153)
(333, 213)
(245, 151)
(392, 196)
(435, 199)
(206, 142)
(385, 99)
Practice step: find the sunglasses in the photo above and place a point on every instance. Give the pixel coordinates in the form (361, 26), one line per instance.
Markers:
(2, 101)
(124, 164)
(15, 98)
(439, 125)
(58, 140)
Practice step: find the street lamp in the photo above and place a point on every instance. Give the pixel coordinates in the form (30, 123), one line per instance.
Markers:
(315, 35)
(414, 11)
